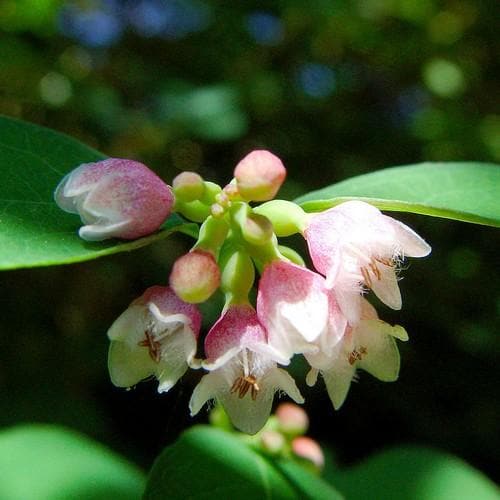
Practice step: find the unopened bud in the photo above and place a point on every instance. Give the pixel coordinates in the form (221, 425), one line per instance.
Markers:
(238, 273)
(259, 176)
(287, 217)
(257, 229)
(211, 191)
(195, 276)
(272, 442)
(292, 419)
(188, 186)
(115, 198)
(308, 449)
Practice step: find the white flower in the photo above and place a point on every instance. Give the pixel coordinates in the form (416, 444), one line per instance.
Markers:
(369, 345)
(355, 245)
(157, 336)
(243, 377)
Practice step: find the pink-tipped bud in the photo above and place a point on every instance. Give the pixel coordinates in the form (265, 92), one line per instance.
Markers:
(195, 276)
(257, 229)
(308, 449)
(115, 198)
(292, 419)
(259, 176)
(188, 186)
(272, 442)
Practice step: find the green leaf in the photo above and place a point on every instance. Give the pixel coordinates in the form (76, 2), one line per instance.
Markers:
(33, 230)
(208, 463)
(42, 462)
(413, 473)
(467, 191)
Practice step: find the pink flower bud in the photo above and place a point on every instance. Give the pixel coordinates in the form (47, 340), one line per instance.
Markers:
(259, 176)
(188, 186)
(115, 198)
(195, 276)
(272, 442)
(308, 449)
(292, 419)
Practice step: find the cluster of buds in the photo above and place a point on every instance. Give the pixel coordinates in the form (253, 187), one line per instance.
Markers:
(283, 436)
(321, 314)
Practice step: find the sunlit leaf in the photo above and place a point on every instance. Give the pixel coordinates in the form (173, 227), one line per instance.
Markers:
(465, 191)
(42, 462)
(33, 230)
(208, 463)
(413, 473)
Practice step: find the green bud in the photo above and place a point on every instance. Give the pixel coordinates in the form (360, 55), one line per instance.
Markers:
(211, 191)
(193, 210)
(238, 273)
(212, 234)
(188, 186)
(292, 255)
(257, 229)
(286, 217)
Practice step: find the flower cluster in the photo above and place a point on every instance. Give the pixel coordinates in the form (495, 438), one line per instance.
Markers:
(321, 314)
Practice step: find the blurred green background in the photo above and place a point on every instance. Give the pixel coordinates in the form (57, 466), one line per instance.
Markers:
(335, 88)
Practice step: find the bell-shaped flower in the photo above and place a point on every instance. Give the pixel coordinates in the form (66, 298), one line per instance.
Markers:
(115, 198)
(369, 345)
(354, 245)
(156, 336)
(243, 377)
(293, 306)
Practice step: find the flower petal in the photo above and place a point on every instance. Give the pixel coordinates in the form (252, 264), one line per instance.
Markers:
(177, 351)
(338, 381)
(412, 245)
(128, 365)
(129, 326)
(207, 389)
(382, 355)
(386, 288)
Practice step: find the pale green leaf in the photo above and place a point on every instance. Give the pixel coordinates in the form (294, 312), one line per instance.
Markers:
(413, 473)
(465, 191)
(43, 462)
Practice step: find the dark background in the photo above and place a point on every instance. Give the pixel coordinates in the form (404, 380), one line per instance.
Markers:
(335, 88)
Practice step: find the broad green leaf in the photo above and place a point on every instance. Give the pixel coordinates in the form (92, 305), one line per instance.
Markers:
(43, 462)
(465, 191)
(413, 473)
(208, 463)
(33, 230)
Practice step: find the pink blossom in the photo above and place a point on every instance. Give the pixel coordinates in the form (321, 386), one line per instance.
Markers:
(243, 376)
(369, 345)
(115, 198)
(157, 336)
(355, 245)
(293, 305)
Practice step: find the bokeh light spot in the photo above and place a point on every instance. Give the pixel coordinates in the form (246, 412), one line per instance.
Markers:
(316, 80)
(55, 89)
(265, 28)
(444, 78)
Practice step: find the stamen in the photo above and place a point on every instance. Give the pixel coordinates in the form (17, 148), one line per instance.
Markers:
(385, 261)
(357, 354)
(243, 384)
(154, 347)
(366, 276)
(375, 269)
